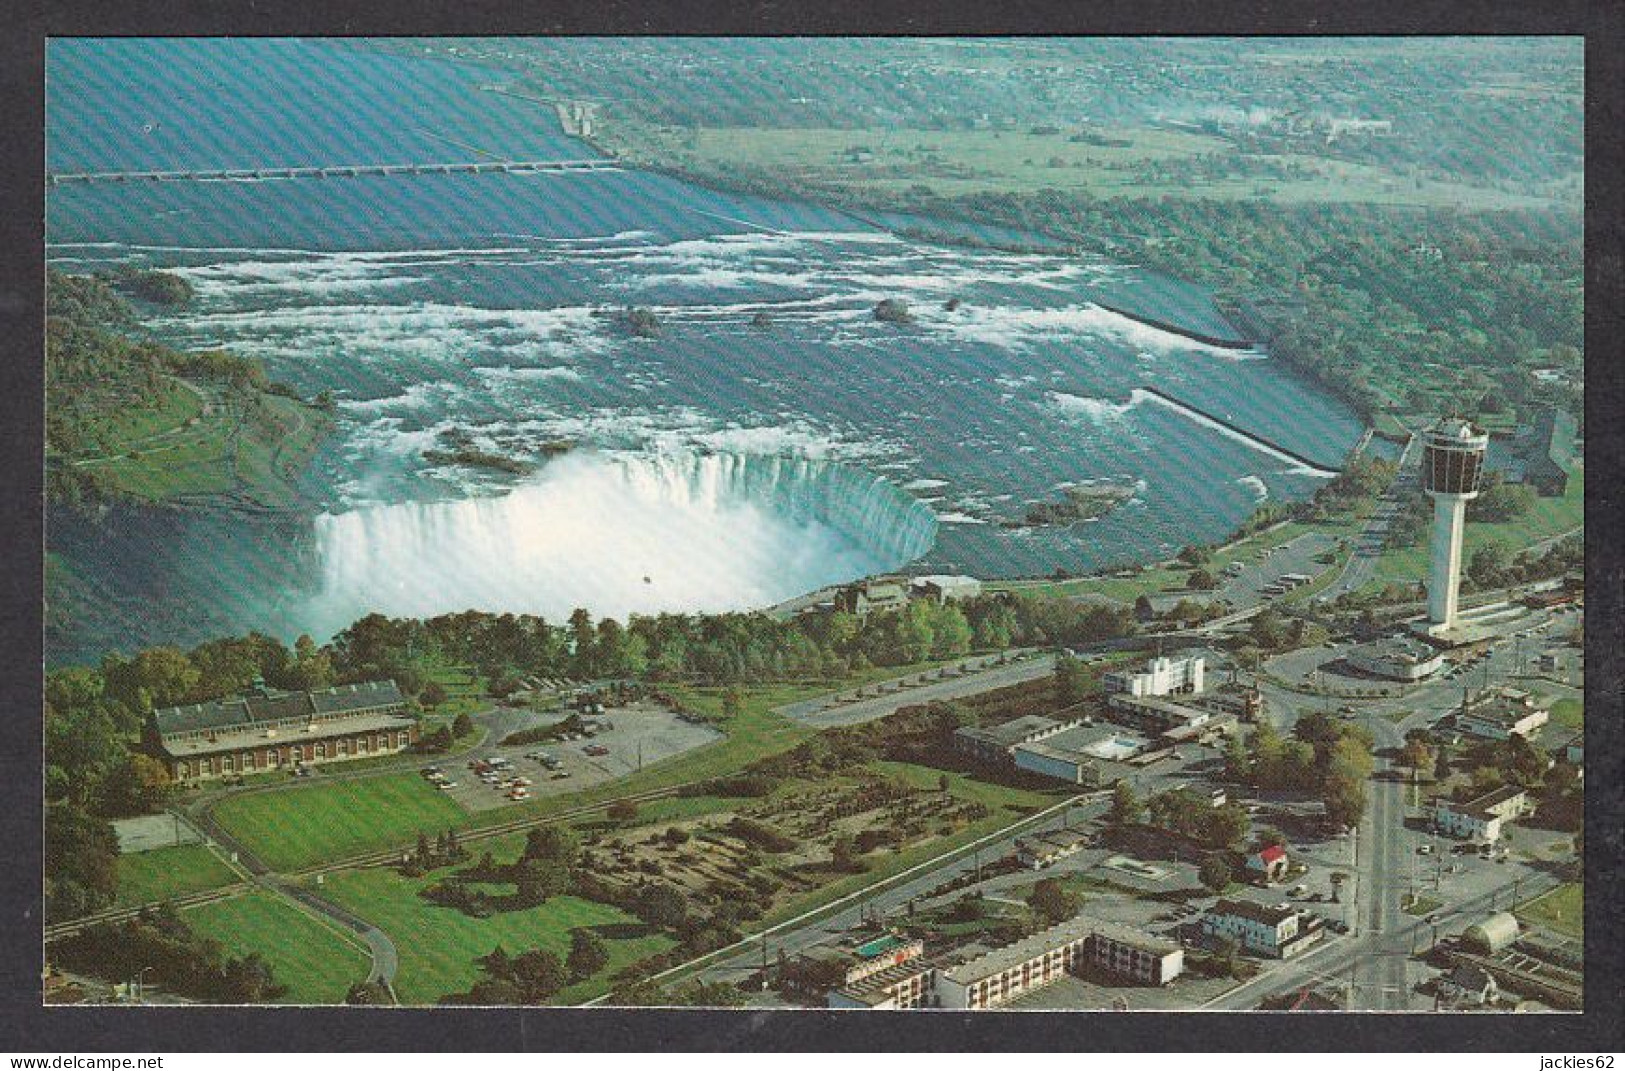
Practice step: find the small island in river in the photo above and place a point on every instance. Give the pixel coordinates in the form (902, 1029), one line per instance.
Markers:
(1078, 503)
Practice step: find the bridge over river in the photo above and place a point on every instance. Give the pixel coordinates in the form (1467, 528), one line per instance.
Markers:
(59, 178)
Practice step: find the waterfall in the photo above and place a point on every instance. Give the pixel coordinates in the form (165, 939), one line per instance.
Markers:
(620, 534)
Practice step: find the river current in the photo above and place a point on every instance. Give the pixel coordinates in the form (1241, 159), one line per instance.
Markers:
(773, 437)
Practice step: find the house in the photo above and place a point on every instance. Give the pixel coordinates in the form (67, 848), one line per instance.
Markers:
(1039, 850)
(1548, 451)
(1469, 985)
(264, 729)
(1278, 931)
(1267, 865)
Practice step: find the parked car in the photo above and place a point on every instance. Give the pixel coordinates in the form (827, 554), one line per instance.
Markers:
(559, 775)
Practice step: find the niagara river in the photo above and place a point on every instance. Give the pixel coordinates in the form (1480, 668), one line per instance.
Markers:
(768, 435)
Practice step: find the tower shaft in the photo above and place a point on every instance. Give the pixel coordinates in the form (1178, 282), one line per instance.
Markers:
(1444, 578)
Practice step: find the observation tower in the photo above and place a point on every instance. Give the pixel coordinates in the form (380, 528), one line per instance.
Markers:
(1452, 460)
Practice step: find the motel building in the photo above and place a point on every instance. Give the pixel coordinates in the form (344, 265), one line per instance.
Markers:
(267, 730)
(1002, 975)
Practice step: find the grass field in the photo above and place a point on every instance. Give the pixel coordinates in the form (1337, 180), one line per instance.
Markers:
(164, 412)
(1561, 910)
(230, 448)
(438, 944)
(1569, 713)
(1152, 164)
(316, 961)
(1548, 518)
(301, 826)
(164, 873)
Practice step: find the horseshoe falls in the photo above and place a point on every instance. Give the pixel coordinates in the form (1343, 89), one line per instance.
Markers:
(622, 535)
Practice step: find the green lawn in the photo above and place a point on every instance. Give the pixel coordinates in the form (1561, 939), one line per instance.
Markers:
(310, 824)
(314, 959)
(1561, 910)
(1548, 518)
(981, 161)
(438, 944)
(1569, 713)
(298, 827)
(164, 873)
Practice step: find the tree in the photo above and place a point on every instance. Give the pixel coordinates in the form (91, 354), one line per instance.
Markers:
(1417, 756)
(81, 862)
(588, 955)
(1201, 580)
(539, 974)
(433, 694)
(462, 725)
(1344, 799)
(844, 855)
(1126, 808)
(1489, 565)
(1051, 901)
(1071, 680)
(1238, 764)
(552, 844)
(1216, 871)
(1441, 765)
(140, 786)
(622, 811)
(662, 906)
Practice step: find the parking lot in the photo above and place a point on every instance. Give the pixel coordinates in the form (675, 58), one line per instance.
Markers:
(1245, 586)
(624, 740)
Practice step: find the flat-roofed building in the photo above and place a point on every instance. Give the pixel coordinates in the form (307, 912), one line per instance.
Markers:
(265, 730)
(945, 588)
(1085, 755)
(1001, 975)
(1279, 931)
(1502, 715)
(899, 986)
(1134, 954)
(1160, 676)
(1039, 850)
(1400, 658)
(996, 743)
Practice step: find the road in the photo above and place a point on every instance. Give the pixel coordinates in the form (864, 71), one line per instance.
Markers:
(1362, 561)
(820, 714)
(794, 936)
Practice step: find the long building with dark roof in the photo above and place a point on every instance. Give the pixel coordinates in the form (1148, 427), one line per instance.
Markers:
(268, 730)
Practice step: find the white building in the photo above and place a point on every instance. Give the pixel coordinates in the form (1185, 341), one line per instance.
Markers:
(1480, 819)
(1085, 755)
(945, 588)
(1004, 974)
(1274, 930)
(1502, 716)
(1161, 676)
